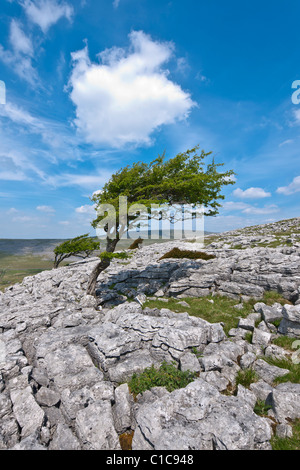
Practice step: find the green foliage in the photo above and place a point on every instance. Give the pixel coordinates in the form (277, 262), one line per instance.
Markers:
(214, 309)
(271, 297)
(246, 377)
(134, 190)
(294, 374)
(179, 180)
(285, 342)
(261, 408)
(108, 255)
(81, 246)
(77, 245)
(289, 443)
(166, 376)
(248, 336)
(190, 254)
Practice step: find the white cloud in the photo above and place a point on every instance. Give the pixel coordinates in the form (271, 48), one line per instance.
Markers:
(251, 193)
(20, 64)
(23, 218)
(86, 209)
(19, 58)
(12, 210)
(235, 206)
(47, 209)
(286, 142)
(270, 209)
(297, 115)
(57, 135)
(183, 66)
(293, 187)
(127, 96)
(116, 3)
(46, 13)
(249, 209)
(19, 41)
(90, 182)
(96, 193)
(20, 116)
(7, 175)
(14, 164)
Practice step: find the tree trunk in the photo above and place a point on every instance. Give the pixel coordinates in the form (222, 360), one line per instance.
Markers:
(101, 266)
(91, 287)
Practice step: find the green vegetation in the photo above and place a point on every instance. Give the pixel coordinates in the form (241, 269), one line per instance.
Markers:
(208, 239)
(109, 256)
(82, 247)
(271, 297)
(285, 342)
(215, 308)
(294, 374)
(276, 237)
(182, 180)
(13, 269)
(246, 377)
(261, 408)
(290, 443)
(166, 376)
(274, 243)
(248, 337)
(190, 254)
(221, 310)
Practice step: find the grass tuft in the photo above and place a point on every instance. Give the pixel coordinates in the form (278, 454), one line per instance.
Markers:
(261, 408)
(167, 376)
(293, 376)
(177, 253)
(246, 377)
(288, 443)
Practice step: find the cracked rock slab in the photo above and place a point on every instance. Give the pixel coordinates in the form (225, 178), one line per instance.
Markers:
(199, 418)
(95, 427)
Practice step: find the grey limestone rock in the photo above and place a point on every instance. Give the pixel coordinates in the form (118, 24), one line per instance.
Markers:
(123, 409)
(64, 439)
(267, 372)
(286, 401)
(198, 406)
(95, 427)
(290, 324)
(189, 361)
(65, 356)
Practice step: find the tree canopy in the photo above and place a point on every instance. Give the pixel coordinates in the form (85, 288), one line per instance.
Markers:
(82, 247)
(184, 179)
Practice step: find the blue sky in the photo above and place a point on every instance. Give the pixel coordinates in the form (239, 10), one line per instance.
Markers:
(94, 85)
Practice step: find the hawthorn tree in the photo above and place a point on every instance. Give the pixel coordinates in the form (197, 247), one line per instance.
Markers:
(184, 179)
(82, 247)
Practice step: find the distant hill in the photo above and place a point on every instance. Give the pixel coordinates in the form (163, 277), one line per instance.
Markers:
(38, 247)
(44, 247)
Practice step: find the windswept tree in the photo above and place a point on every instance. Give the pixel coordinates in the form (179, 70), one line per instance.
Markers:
(183, 180)
(81, 247)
